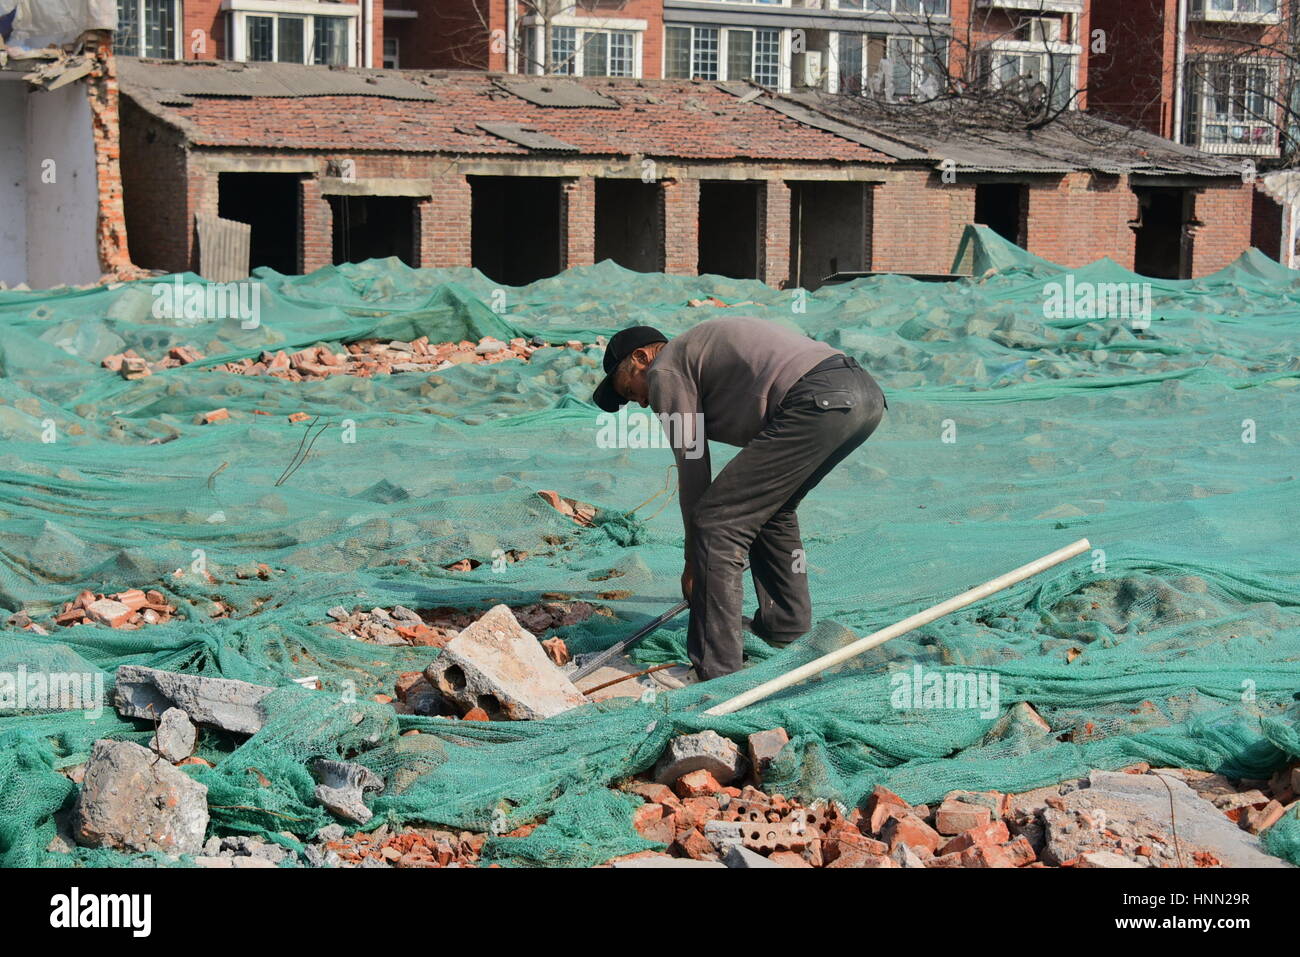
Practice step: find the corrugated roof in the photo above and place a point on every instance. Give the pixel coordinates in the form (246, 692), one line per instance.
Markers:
(248, 80)
(1076, 141)
(527, 136)
(557, 92)
(475, 113)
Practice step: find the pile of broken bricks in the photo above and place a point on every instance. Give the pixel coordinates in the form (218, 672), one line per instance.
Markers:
(704, 801)
(365, 357)
(435, 627)
(1106, 820)
(126, 610)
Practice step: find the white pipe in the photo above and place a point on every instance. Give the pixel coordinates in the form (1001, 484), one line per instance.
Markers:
(368, 54)
(1180, 73)
(512, 14)
(898, 628)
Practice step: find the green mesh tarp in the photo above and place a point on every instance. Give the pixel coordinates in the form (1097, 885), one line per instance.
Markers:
(1010, 433)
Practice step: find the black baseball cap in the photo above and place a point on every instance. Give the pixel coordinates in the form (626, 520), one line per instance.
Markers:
(621, 345)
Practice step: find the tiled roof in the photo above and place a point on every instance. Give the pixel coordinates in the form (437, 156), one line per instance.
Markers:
(276, 106)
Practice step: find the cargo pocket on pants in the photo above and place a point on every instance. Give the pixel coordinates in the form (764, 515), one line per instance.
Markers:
(836, 399)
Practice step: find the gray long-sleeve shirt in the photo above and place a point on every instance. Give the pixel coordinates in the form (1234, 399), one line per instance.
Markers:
(734, 371)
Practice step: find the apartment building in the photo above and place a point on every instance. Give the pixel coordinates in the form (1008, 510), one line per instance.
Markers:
(318, 32)
(898, 50)
(1216, 75)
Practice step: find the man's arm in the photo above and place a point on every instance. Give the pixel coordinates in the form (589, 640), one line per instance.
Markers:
(676, 396)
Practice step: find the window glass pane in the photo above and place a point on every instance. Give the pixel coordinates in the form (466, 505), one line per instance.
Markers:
(530, 63)
(330, 41)
(564, 47)
(289, 46)
(677, 52)
(767, 57)
(850, 65)
(740, 54)
(704, 54)
(900, 58)
(1062, 85)
(620, 53)
(128, 26)
(261, 35)
(160, 29)
(595, 54)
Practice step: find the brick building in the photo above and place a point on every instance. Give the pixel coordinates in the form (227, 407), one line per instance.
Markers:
(318, 32)
(451, 168)
(1213, 74)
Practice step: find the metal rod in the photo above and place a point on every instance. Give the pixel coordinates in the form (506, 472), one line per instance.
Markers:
(638, 674)
(613, 652)
(893, 631)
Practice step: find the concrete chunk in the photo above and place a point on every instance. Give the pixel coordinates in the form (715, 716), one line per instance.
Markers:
(496, 665)
(642, 863)
(131, 801)
(175, 737)
(343, 787)
(738, 856)
(708, 751)
(219, 702)
(764, 746)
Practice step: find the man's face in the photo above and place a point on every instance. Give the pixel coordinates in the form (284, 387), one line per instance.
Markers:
(631, 381)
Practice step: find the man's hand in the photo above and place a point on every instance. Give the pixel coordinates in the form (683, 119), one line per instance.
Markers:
(688, 580)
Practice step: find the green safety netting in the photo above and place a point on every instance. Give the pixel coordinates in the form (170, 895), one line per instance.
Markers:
(1009, 434)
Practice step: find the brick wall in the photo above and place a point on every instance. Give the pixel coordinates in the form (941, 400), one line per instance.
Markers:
(156, 190)
(445, 223)
(1078, 218)
(681, 236)
(1225, 211)
(316, 239)
(918, 220)
(774, 256)
(578, 221)
(101, 90)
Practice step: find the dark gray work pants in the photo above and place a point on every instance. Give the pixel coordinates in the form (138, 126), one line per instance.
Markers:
(749, 510)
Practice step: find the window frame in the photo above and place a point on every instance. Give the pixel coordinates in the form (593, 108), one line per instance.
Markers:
(721, 54)
(1200, 117)
(238, 13)
(534, 37)
(1044, 51)
(138, 42)
(920, 57)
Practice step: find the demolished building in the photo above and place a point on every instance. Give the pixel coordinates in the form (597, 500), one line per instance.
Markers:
(449, 168)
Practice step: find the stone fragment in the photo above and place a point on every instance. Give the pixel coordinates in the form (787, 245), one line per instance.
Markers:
(175, 737)
(109, 612)
(740, 856)
(343, 786)
(131, 801)
(707, 750)
(496, 665)
(223, 703)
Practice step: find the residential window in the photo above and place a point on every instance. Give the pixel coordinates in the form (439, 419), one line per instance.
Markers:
(392, 54)
(577, 52)
(929, 8)
(1258, 10)
(261, 39)
(1023, 70)
(331, 40)
(147, 28)
(896, 69)
(564, 49)
(1232, 105)
(289, 46)
(292, 38)
(717, 53)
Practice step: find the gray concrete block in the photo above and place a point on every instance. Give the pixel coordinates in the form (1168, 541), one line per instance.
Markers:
(132, 801)
(219, 702)
(496, 665)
